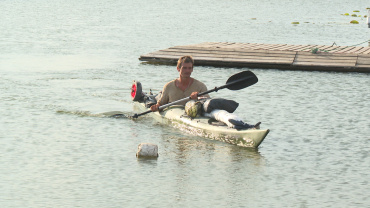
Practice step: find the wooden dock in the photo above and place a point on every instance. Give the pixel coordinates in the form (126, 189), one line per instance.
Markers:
(271, 56)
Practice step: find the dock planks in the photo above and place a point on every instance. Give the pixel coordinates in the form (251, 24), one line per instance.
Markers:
(279, 56)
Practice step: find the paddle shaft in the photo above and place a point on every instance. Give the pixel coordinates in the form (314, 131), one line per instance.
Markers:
(163, 106)
(200, 94)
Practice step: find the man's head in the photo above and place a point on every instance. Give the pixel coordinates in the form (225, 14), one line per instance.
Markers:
(184, 59)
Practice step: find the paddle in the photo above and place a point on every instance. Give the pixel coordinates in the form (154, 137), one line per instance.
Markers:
(236, 82)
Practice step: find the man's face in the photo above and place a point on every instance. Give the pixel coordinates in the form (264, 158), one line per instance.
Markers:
(185, 70)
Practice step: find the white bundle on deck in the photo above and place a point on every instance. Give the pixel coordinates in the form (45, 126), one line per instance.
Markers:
(231, 120)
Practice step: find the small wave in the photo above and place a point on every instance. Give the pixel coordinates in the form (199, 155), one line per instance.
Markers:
(113, 114)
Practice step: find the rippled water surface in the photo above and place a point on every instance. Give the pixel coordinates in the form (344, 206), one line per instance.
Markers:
(65, 64)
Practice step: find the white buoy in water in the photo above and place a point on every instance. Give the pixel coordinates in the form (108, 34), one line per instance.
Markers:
(147, 150)
(368, 18)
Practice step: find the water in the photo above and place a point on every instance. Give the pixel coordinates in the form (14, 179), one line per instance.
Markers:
(63, 64)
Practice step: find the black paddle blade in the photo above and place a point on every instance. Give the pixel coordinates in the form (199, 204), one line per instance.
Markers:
(241, 80)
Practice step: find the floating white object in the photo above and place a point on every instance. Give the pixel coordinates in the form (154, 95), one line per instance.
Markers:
(147, 150)
(368, 18)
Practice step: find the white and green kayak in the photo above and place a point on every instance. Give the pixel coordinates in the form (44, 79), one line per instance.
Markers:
(175, 115)
(203, 126)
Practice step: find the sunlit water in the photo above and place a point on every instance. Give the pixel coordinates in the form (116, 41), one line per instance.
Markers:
(63, 64)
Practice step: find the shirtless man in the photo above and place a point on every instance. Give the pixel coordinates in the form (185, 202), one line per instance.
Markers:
(181, 87)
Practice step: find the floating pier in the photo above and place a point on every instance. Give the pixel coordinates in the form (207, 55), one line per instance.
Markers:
(271, 56)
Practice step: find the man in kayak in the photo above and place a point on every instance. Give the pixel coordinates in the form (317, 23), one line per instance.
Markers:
(186, 86)
(182, 87)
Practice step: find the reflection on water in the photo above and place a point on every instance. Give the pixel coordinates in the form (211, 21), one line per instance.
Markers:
(147, 161)
(222, 169)
(188, 148)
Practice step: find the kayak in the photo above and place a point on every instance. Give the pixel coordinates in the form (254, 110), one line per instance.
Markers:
(175, 116)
